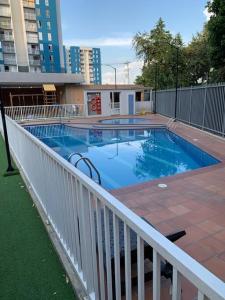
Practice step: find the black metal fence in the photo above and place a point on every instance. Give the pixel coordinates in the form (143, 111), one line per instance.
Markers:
(202, 106)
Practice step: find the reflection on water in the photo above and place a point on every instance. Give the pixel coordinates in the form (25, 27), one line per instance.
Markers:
(125, 157)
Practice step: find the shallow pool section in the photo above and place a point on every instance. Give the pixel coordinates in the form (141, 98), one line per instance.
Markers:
(125, 121)
(125, 157)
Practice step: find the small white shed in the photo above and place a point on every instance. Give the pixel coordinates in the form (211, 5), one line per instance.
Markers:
(108, 100)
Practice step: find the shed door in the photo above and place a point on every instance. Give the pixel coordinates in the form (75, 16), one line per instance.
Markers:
(131, 104)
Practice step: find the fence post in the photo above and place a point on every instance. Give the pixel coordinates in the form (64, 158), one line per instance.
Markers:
(179, 103)
(21, 113)
(203, 118)
(223, 126)
(190, 111)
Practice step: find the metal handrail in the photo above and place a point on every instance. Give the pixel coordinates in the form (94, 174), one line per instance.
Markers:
(81, 157)
(88, 163)
(72, 154)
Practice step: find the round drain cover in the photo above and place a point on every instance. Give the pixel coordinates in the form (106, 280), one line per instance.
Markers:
(162, 185)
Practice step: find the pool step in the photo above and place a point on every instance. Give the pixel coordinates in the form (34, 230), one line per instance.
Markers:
(128, 126)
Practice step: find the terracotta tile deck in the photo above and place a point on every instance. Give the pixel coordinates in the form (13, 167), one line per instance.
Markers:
(194, 201)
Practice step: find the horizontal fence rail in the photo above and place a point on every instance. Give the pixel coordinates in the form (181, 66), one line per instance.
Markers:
(40, 112)
(88, 221)
(201, 106)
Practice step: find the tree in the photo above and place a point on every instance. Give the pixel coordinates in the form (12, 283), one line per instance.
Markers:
(158, 50)
(216, 38)
(198, 59)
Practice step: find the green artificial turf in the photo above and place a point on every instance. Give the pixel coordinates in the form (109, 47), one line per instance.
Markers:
(29, 265)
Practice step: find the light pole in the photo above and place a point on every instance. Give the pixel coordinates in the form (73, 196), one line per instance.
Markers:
(156, 77)
(177, 73)
(115, 70)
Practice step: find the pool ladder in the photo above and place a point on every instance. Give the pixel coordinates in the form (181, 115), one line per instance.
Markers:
(88, 163)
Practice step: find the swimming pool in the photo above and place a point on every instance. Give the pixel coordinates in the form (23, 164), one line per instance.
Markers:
(125, 157)
(124, 121)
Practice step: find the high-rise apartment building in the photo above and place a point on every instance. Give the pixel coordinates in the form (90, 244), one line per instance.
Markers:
(86, 61)
(31, 36)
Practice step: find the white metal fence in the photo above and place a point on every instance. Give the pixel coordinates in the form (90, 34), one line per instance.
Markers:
(201, 106)
(38, 112)
(143, 106)
(74, 204)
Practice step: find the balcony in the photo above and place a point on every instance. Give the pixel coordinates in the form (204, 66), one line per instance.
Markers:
(5, 12)
(7, 49)
(30, 4)
(31, 27)
(6, 38)
(9, 61)
(32, 39)
(33, 51)
(6, 2)
(29, 16)
(5, 25)
(35, 62)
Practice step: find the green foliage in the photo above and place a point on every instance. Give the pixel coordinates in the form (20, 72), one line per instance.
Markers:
(216, 38)
(201, 61)
(197, 59)
(158, 50)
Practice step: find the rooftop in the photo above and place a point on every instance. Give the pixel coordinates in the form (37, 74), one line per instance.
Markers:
(103, 87)
(19, 78)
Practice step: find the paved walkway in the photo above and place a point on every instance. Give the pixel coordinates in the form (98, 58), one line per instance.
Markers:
(194, 201)
(29, 266)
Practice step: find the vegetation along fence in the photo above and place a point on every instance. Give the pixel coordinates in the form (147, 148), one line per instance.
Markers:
(202, 106)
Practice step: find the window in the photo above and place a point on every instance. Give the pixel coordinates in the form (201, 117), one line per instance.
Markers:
(51, 58)
(47, 2)
(115, 99)
(39, 23)
(37, 2)
(49, 25)
(40, 35)
(138, 96)
(47, 13)
(50, 48)
(41, 47)
(49, 36)
(38, 11)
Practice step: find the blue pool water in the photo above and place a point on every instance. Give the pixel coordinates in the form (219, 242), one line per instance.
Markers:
(125, 121)
(125, 157)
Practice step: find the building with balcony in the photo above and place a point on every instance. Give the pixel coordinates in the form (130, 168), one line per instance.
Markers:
(86, 61)
(30, 36)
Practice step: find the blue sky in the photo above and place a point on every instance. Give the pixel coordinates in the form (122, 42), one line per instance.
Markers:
(111, 25)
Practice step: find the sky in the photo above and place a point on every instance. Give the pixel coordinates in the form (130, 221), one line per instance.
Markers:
(111, 26)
